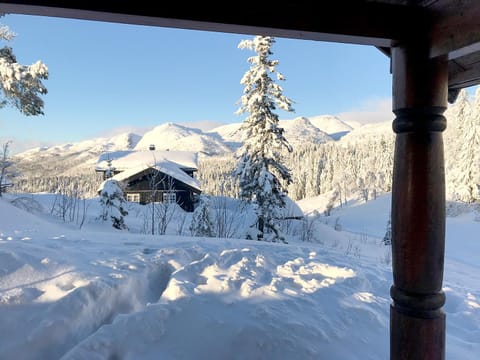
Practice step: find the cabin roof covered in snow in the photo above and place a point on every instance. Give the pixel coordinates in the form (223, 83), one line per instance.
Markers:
(128, 159)
(131, 162)
(166, 167)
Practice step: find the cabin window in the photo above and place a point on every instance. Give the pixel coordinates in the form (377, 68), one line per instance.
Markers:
(169, 198)
(133, 197)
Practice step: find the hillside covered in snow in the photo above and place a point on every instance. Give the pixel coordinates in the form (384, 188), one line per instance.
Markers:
(70, 291)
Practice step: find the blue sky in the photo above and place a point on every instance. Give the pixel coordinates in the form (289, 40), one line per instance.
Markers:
(105, 78)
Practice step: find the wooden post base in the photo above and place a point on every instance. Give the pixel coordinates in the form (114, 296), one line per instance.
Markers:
(426, 324)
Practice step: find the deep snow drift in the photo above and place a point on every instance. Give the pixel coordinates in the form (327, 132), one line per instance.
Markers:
(101, 293)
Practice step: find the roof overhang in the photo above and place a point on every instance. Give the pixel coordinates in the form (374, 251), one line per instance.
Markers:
(450, 27)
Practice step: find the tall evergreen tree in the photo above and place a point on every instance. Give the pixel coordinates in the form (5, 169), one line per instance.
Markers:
(457, 116)
(5, 165)
(259, 170)
(20, 85)
(469, 172)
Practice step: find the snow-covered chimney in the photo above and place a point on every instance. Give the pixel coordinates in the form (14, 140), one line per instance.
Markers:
(151, 147)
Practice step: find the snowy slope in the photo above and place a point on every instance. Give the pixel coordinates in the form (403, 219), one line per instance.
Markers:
(230, 134)
(300, 131)
(74, 158)
(71, 158)
(172, 136)
(331, 125)
(123, 141)
(99, 293)
(369, 131)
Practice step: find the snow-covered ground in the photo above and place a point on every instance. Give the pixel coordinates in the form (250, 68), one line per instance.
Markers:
(100, 293)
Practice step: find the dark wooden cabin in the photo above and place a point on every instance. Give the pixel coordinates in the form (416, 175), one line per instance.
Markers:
(151, 184)
(434, 48)
(153, 176)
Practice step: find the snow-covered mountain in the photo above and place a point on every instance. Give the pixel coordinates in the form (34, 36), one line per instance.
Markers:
(125, 141)
(76, 158)
(230, 134)
(72, 158)
(369, 132)
(172, 136)
(298, 131)
(332, 125)
(301, 130)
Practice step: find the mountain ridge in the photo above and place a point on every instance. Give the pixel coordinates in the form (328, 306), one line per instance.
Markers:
(78, 157)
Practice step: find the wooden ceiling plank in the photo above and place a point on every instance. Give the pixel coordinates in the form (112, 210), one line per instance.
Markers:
(360, 22)
(455, 28)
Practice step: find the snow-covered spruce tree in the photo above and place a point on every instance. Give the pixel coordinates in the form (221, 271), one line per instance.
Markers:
(5, 166)
(469, 164)
(112, 201)
(20, 85)
(259, 170)
(458, 115)
(387, 238)
(110, 169)
(202, 224)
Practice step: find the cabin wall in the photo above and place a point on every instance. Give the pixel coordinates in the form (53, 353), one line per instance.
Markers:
(141, 184)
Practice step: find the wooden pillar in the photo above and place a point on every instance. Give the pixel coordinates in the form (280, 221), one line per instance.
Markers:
(417, 321)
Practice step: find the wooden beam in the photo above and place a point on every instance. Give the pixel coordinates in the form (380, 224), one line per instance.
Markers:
(455, 28)
(465, 78)
(352, 21)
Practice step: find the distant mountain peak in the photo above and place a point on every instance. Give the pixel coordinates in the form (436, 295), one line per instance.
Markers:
(172, 136)
(330, 124)
(300, 131)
